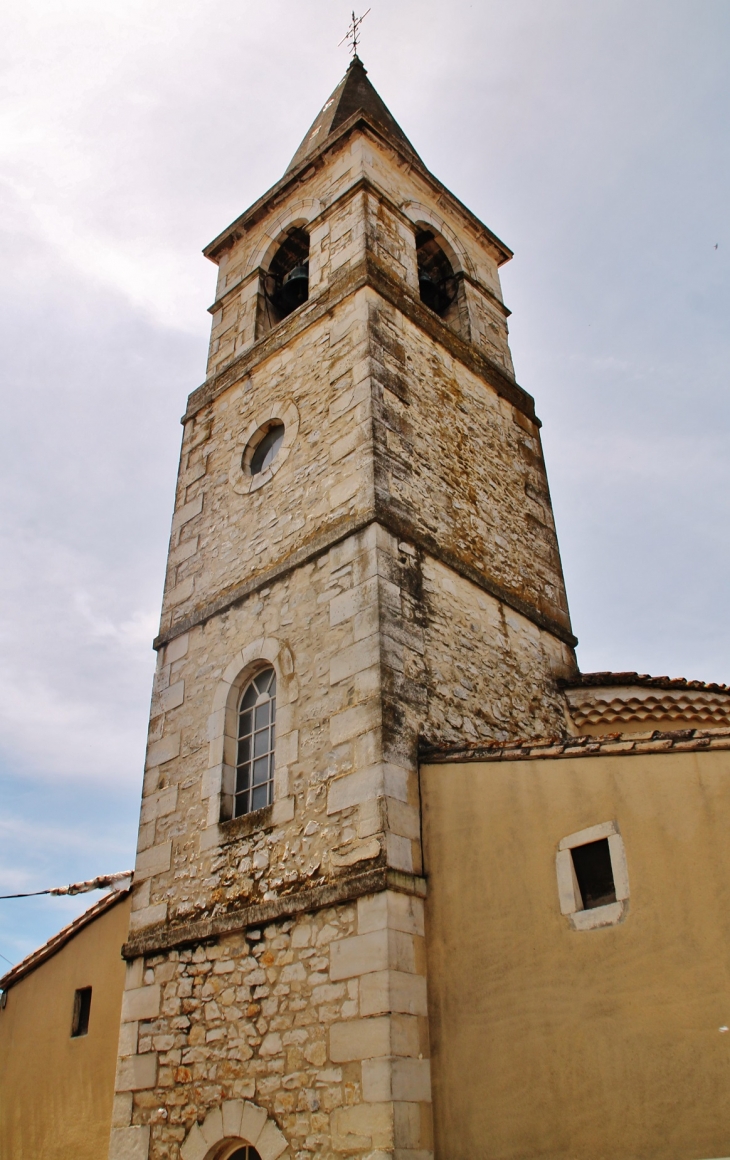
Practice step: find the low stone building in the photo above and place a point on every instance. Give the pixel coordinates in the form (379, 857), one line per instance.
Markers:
(369, 918)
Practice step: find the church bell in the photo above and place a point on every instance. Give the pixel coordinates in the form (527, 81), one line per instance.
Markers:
(294, 287)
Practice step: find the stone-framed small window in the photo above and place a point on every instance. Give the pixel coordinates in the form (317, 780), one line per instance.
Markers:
(256, 755)
(263, 447)
(593, 879)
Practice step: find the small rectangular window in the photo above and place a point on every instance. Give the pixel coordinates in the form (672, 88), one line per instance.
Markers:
(82, 1009)
(594, 872)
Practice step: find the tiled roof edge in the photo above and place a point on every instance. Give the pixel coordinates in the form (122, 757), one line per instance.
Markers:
(599, 680)
(652, 741)
(61, 938)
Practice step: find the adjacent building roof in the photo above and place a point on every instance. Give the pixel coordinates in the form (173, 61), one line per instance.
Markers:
(601, 680)
(354, 94)
(613, 744)
(59, 940)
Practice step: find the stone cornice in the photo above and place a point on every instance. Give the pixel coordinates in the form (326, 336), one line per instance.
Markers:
(234, 595)
(363, 184)
(396, 525)
(166, 936)
(273, 196)
(368, 272)
(400, 525)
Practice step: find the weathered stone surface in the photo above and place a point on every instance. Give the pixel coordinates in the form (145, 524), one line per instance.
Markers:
(397, 566)
(246, 1027)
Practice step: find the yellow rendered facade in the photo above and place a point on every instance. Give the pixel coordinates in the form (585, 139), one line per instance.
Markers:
(552, 1042)
(56, 1092)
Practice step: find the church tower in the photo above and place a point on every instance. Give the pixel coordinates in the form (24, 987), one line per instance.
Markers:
(363, 559)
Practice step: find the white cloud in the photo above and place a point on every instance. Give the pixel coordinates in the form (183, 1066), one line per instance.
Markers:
(590, 136)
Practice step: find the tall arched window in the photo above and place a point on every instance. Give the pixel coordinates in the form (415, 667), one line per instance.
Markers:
(256, 745)
(286, 284)
(436, 281)
(244, 1153)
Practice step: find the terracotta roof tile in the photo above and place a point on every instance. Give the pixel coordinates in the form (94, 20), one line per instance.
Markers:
(656, 741)
(600, 680)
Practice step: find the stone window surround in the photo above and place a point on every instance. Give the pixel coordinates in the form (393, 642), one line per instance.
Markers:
(571, 903)
(219, 779)
(231, 1126)
(421, 215)
(241, 480)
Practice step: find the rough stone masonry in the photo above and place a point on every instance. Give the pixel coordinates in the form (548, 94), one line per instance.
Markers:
(397, 566)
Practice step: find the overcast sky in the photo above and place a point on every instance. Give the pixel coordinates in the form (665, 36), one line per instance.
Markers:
(591, 135)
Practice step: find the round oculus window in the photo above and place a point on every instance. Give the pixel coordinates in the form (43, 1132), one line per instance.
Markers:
(266, 449)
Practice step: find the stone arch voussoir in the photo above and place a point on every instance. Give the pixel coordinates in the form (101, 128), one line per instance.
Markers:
(242, 667)
(234, 1123)
(421, 214)
(299, 214)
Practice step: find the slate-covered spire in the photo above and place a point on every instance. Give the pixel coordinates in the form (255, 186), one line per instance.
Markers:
(354, 94)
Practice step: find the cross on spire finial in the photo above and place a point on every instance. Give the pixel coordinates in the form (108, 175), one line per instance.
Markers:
(353, 33)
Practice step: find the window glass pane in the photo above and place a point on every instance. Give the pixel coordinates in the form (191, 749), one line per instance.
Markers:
(261, 743)
(260, 797)
(260, 770)
(255, 758)
(267, 449)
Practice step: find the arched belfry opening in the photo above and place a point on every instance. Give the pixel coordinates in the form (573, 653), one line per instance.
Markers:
(285, 285)
(438, 284)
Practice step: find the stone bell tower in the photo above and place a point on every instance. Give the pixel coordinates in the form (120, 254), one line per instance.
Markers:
(362, 556)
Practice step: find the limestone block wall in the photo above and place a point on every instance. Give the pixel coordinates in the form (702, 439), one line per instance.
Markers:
(224, 530)
(397, 566)
(345, 221)
(374, 644)
(462, 466)
(377, 413)
(319, 1023)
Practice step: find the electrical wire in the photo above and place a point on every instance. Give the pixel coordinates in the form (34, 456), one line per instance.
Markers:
(77, 887)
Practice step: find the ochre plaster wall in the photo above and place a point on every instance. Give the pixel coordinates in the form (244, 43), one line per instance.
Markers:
(56, 1093)
(552, 1042)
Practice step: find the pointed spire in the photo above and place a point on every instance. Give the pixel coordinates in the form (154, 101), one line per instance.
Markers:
(354, 94)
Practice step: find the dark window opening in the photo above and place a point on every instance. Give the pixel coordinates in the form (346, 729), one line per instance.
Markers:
(286, 285)
(256, 745)
(82, 1010)
(267, 449)
(436, 280)
(594, 872)
(245, 1153)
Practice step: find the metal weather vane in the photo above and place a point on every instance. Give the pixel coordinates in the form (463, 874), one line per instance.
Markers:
(353, 33)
